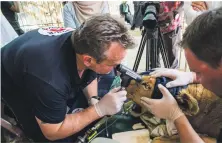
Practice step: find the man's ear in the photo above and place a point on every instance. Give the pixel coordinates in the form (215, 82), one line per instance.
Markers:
(204, 66)
(87, 60)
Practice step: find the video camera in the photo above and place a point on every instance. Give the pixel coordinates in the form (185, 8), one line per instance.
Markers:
(150, 11)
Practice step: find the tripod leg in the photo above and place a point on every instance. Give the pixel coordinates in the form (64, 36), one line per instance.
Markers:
(163, 50)
(148, 54)
(153, 49)
(140, 51)
(155, 53)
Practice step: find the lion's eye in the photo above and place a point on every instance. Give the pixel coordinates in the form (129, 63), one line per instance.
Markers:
(146, 85)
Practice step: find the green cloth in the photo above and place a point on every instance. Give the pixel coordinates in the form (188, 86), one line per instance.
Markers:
(121, 123)
(116, 82)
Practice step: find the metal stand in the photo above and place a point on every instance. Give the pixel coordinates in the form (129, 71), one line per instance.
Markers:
(150, 38)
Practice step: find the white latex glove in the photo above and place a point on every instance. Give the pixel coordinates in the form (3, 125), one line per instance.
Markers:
(93, 101)
(179, 78)
(111, 103)
(165, 108)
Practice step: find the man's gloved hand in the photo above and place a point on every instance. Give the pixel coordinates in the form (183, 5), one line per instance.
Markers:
(165, 108)
(180, 78)
(111, 103)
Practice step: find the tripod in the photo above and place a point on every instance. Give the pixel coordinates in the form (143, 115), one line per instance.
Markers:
(150, 38)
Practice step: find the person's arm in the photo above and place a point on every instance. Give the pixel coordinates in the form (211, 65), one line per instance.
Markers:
(50, 108)
(13, 6)
(167, 108)
(186, 132)
(91, 90)
(72, 124)
(110, 104)
(120, 10)
(68, 17)
(199, 5)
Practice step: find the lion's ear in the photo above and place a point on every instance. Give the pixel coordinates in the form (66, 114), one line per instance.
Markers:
(187, 103)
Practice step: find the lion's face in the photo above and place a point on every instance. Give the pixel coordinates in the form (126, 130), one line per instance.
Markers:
(144, 89)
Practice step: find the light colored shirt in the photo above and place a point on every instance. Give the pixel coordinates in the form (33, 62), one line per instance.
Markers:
(70, 18)
(7, 32)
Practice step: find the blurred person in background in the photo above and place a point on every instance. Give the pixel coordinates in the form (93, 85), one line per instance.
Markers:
(125, 12)
(137, 15)
(7, 32)
(169, 21)
(10, 10)
(75, 13)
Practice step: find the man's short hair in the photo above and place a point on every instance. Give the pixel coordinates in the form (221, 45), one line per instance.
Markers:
(204, 37)
(95, 35)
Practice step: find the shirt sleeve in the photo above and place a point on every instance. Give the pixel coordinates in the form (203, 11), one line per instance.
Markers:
(49, 104)
(105, 8)
(68, 18)
(7, 4)
(89, 76)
